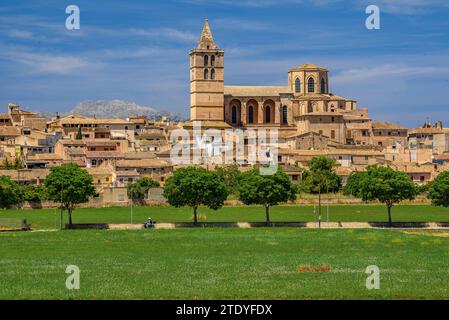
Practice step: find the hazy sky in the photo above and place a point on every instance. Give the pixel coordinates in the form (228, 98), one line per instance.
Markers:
(138, 51)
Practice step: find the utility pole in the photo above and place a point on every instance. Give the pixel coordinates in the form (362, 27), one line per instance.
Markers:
(328, 200)
(319, 207)
(61, 216)
(132, 211)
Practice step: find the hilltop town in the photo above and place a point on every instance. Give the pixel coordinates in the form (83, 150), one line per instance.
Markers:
(309, 120)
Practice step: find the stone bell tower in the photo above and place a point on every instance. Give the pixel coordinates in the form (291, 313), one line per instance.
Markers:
(206, 79)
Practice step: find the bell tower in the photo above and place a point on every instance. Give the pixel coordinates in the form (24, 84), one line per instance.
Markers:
(206, 79)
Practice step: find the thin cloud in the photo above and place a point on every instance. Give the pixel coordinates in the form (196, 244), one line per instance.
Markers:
(21, 34)
(382, 71)
(407, 6)
(44, 63)
(167, 33)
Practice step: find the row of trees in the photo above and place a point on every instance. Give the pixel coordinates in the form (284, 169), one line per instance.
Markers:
(11, 193)
(67, 184)
(70, 185)
(194, 186)
(390, 187)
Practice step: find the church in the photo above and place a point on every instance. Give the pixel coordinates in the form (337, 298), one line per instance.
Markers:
(304, 106)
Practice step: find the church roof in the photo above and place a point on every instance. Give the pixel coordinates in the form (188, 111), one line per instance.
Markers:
(385, 125)
(207, 40)
(255, 91)
(309, 66)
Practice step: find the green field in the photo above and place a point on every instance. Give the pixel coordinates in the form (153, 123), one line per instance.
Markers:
(49, 218)
(224, 264)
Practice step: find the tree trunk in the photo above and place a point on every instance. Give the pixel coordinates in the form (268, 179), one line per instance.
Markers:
(70, 217)
(267, 215)
(195, 218)
(390, 223)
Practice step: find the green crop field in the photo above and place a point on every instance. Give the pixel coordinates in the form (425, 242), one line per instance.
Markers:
(224, 263)
(49, 218)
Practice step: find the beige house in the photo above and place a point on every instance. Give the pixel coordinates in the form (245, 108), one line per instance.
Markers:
(386, 134)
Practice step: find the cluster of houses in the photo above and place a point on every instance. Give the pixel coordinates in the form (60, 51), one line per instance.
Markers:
(117, 152)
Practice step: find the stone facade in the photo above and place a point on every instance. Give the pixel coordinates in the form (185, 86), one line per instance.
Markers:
(304, 105)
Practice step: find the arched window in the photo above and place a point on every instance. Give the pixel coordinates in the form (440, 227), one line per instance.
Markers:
(250, 114)
(212, 61)
(284, 115)
(311, 85)
(323, 86)
(267, 114)
(234, 114)
(297, 85)
(212, 74)
(206, 74)
(206, 60)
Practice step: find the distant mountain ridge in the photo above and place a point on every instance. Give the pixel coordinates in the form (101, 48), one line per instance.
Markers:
(117, 109)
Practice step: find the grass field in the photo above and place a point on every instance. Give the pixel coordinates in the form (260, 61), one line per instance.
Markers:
(49, 218)
(224, 264)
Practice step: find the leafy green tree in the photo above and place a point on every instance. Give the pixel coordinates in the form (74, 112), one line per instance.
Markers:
(194, 186)
(320, 179)
(69, 185)
(352, 186)
(9, 192)
(387, 186)
(18, 163)
(230, 175)
(79, 135)
(138, 190)
(33, 193)
(266, 190)
(439, 190)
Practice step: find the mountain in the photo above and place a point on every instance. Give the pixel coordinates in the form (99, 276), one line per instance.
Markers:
(118, 109)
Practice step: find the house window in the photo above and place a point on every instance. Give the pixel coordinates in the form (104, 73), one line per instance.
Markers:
(267, 114)
(284, 115)
(212, 61)
(250, 114)
(206, 74)
(234, 114)
(323, 86)
(311, 85)
(297, 85)
(212, 74)
(206, 60)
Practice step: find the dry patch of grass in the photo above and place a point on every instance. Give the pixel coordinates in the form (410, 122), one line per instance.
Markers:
(433, 233)
(318, 269)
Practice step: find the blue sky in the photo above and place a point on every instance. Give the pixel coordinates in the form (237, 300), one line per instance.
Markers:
(138, 51)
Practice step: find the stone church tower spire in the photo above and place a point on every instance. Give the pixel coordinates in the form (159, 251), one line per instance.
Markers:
(207, 79)
(207, 40)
